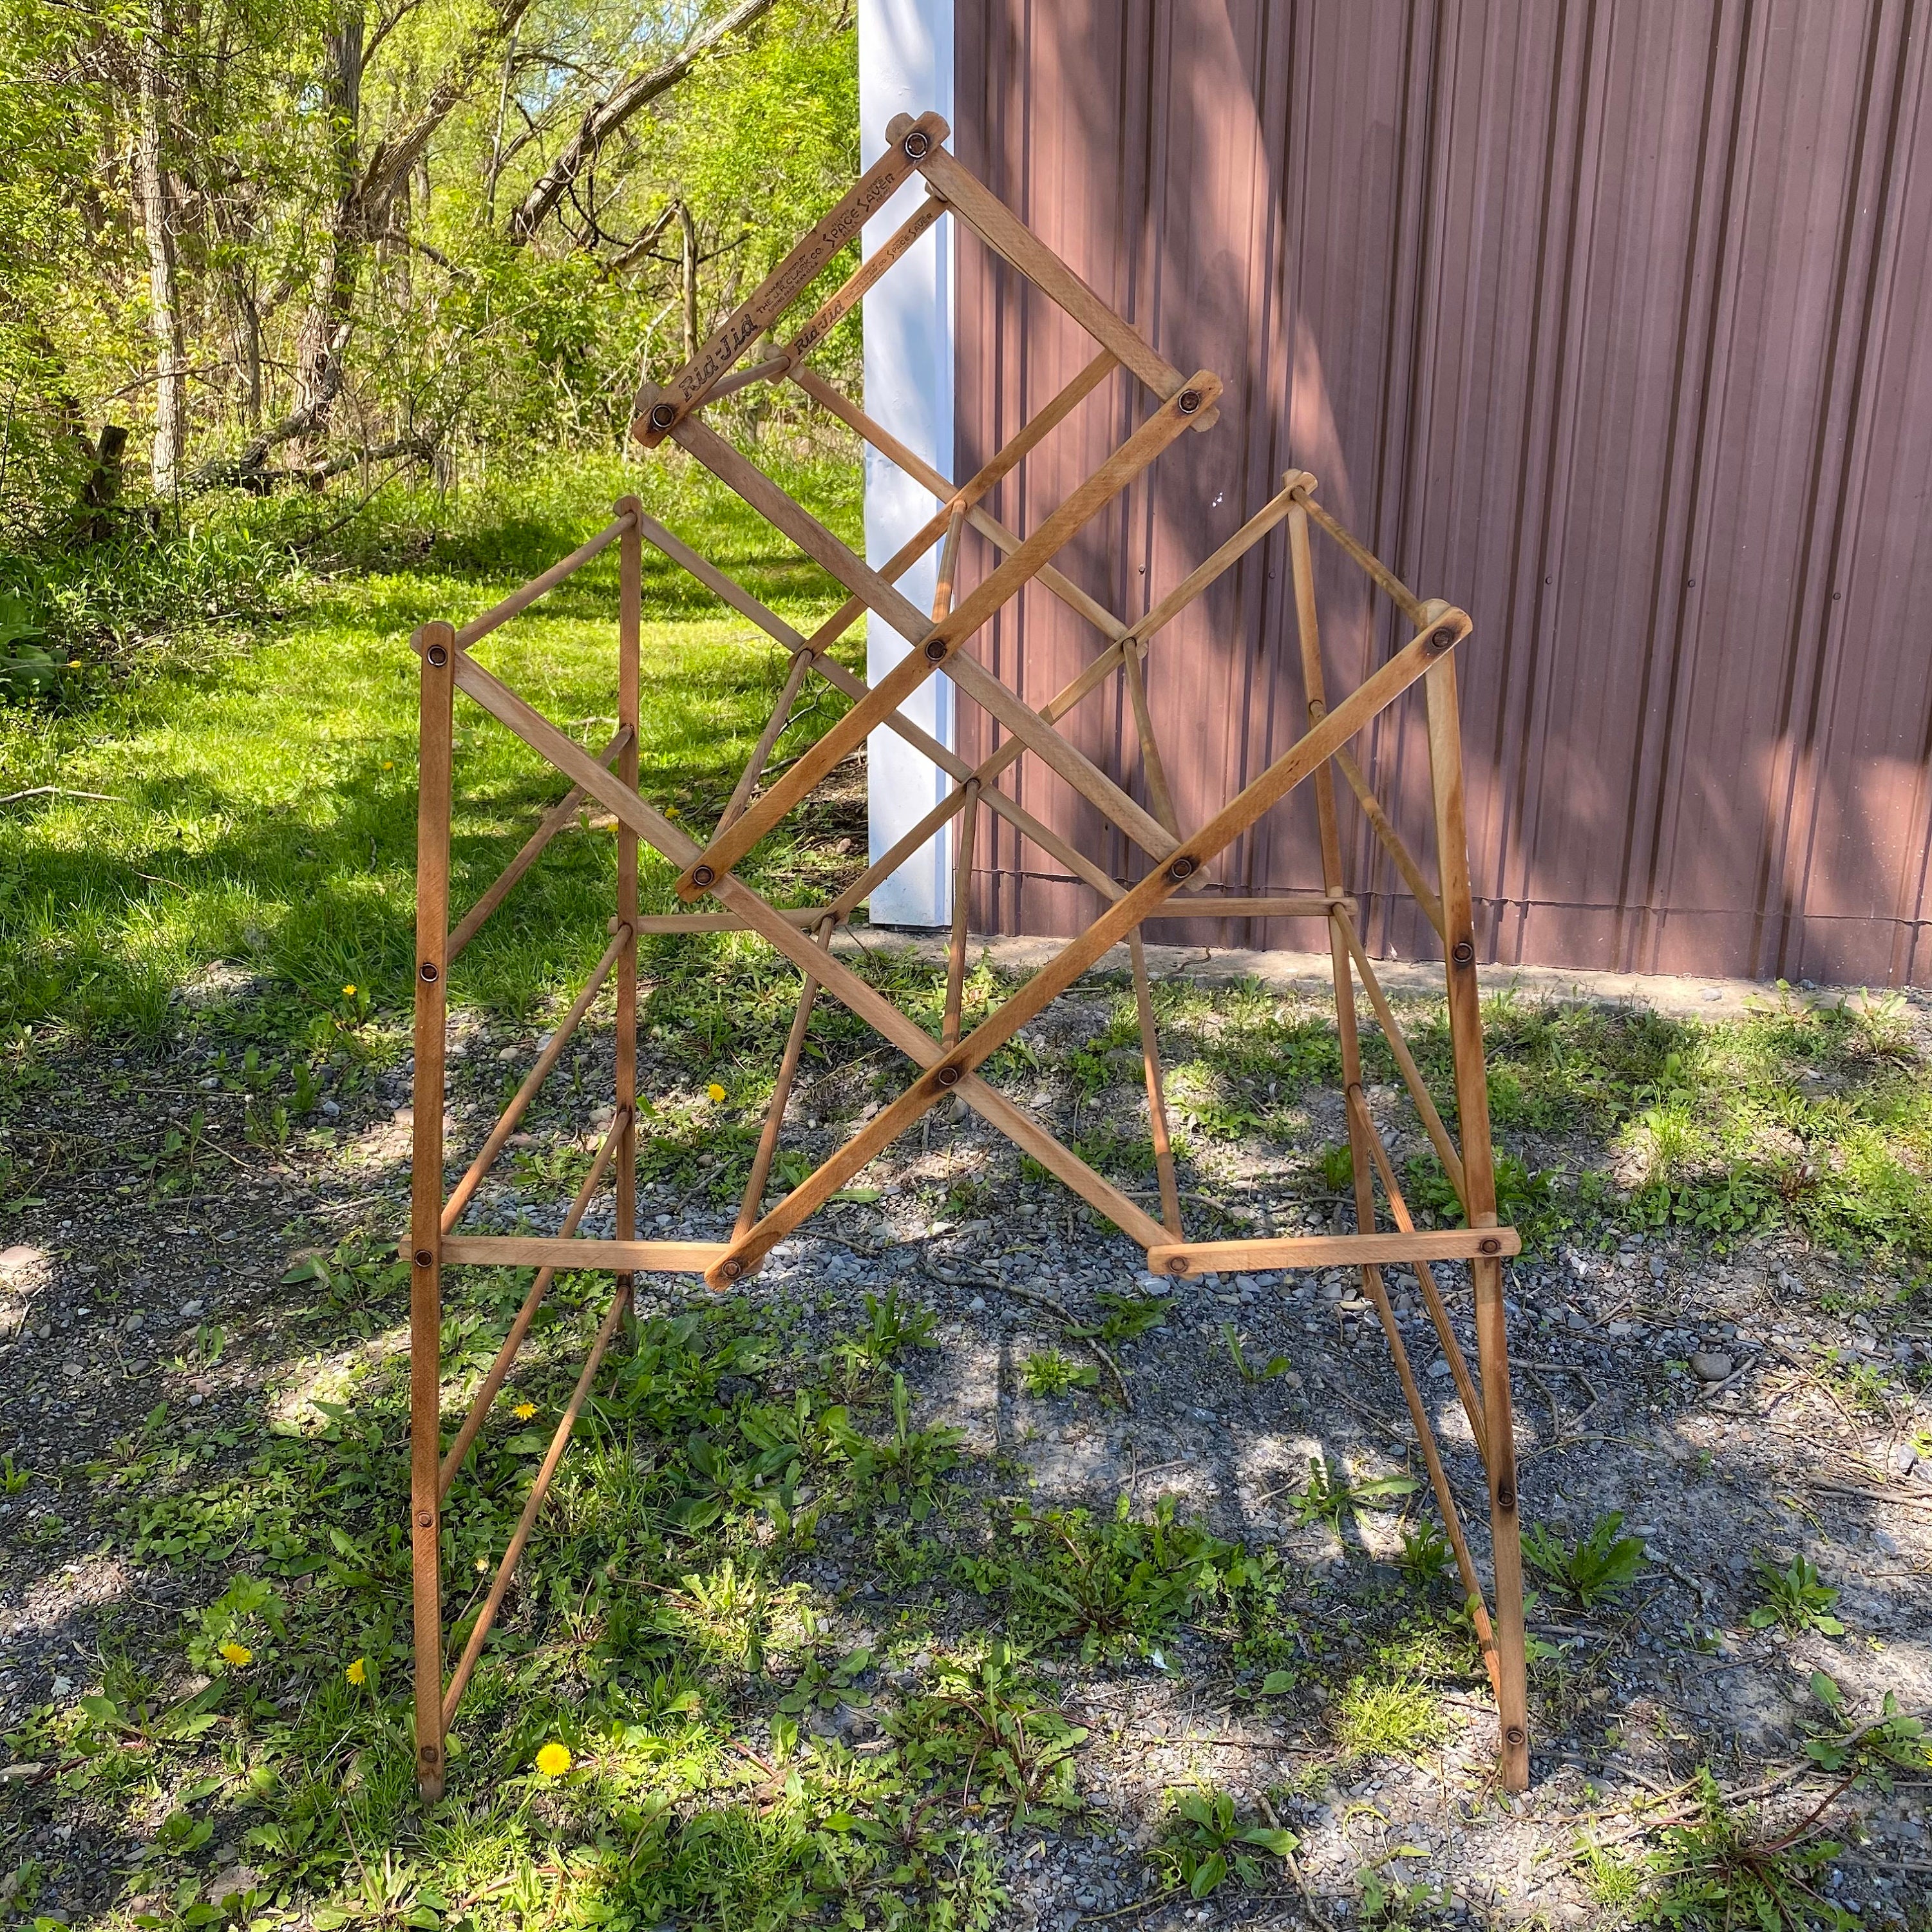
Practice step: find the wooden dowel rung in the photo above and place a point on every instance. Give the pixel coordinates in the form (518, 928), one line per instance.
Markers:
(520, 600)
(1286, 905)
(1405, 599)
(1438, 1311)
(459, 1680)
(506, 1355)
(553, 821)
(539, 1072)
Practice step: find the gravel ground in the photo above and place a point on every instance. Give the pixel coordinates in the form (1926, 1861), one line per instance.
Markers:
(1682, 1388)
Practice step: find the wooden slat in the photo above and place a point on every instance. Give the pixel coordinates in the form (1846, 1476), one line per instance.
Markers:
(630, 674)
(962, 904)
(480, 1405)
(500, 1586)
(1281, 905)
(1479, 1197)
(721, 922)
(566, 1252)
(756, 1180)
(1316, 1251)
(540, 1071)
(775, 725)
(838, 305)
(520, 600)
(1404, 1060)
(553, 822)
(783, 286)
(1413, 875)
(1157, 1125)
(1003, 232)
(1223, 558)
(435, 644)
(942, 639)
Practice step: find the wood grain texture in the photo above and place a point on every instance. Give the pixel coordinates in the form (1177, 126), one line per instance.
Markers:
(1316, 1251)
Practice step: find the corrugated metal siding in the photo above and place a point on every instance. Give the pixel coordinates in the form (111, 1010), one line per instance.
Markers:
(1608, 319)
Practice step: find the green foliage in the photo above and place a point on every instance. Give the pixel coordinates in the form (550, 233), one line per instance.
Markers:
(1795, 1599)
(1119, 1585)
(1717, 1872)
(1894, 1741)
(1329, 1493)
(987, 1724)
(1202, 1843)
(1048, 1373)
(1426, 1554)
(1602, 1564)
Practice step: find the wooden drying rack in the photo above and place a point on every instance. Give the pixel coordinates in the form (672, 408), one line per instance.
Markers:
(949, 1065)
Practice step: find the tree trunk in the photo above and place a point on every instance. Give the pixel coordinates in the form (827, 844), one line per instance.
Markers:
(157, 213)
(688, 228)
(323, 338)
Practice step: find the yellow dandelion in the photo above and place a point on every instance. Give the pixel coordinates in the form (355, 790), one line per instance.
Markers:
(388, 764)
(237, 1653)
(73, 663)
(670, 811)
(554, 1760)
(716, 1092)
(524, 1410)
(348, 992)
(358, 1673)
(482, 1564)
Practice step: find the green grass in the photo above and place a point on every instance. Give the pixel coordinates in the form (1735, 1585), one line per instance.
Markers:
(261, 811)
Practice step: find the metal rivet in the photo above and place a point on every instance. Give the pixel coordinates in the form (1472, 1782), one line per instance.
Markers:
(1440, 641)
(1177, 1264)
(663, 416)
(424, 1259)
(438, 656)
(947, 1076)
(1188, 401)
(917, 144)
(1183, 867)
(1489, 1245)
(429, 974)
(1506, 1495)
(1464, 952)
(430, 1753)
(425, 1519)
(1517, 1736)
(731, 1269)
(935, 650)
(703, 875)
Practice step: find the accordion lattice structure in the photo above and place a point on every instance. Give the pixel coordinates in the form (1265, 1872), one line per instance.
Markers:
(1179, 861)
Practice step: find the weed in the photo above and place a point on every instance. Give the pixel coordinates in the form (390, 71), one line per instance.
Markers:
(1277, 1365)
(1602, 1564)
(1795, 1599)
(1049, 1373)
(1397, 1902)
(1116, 1584)
(1330, 1494)
(987, 1719)
(1202, 1843)
(1388, 1715)
(1716, 1871)
(1336, 1166)
(1126, 1318)
(1894, 1740)
(1426, 1555)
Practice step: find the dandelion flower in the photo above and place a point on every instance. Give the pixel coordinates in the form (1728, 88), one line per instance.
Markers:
(524, 1410)
(716, 1092)
(349, 991)
(73, 663)
(237, 1653)
(670, 811)
(482, 1563)
(554, 1760)
(358, 1673)
(388, 764)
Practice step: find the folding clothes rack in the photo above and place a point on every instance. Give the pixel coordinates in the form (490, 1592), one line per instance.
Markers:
(949, 1064)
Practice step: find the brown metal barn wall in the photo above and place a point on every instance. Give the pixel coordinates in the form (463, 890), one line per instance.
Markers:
(1609, 321)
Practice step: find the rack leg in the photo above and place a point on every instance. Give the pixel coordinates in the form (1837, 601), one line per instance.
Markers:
(1472, 1107)
(630, 618)
(436, 644)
